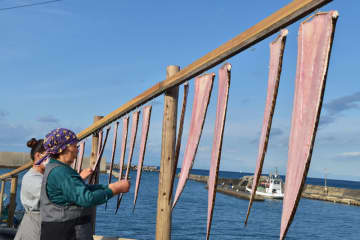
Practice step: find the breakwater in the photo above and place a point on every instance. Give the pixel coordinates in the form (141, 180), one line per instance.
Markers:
(134, 167)
(331, 194)
(236, 193)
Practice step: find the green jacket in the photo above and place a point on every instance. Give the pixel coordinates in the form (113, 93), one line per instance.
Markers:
(65, 187)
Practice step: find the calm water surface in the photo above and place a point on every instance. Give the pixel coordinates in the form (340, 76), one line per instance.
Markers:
(314, 219)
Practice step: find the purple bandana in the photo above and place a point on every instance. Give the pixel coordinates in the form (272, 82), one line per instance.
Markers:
(57, 141)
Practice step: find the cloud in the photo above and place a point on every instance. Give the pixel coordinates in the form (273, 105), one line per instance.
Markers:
(274, 132)
(48, 119)
(335, 107)
(326, 119)
(3, 114)
(245, 100)
(349, 155)
(327, 139)
(343, 103)
(156, 103)
(13, 134)
(204, 149)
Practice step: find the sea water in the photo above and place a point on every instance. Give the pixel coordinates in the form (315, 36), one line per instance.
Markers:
(313, 220)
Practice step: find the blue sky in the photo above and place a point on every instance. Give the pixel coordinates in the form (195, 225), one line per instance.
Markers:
(65, 62)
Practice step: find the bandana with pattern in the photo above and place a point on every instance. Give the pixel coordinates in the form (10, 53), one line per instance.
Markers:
(57, 141)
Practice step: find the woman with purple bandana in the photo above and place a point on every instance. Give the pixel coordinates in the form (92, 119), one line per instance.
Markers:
(65, 198)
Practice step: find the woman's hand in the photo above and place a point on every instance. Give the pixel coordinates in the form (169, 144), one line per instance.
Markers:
(122, 186)
(85, 173)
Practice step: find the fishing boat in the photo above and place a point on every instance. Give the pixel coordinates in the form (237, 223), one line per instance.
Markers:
(272, 188)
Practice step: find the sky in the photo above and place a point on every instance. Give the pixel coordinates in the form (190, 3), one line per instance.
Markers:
(64, 62)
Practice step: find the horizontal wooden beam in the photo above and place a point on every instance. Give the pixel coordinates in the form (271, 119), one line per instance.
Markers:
(16, 171)
(270, 25)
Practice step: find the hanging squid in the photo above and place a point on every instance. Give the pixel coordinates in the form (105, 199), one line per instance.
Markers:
(223, 94)
(203, 87)
(134, 126)
(80, 157)
(144, 135)
(314, 47)
(179, 136)
(96, 166)
(112, 154)
(100, 139)
(276, 56)
(122, 155)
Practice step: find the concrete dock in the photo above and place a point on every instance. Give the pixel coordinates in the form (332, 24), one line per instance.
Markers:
(232, 187)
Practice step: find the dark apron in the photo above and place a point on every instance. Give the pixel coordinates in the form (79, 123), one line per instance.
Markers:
(62, 222)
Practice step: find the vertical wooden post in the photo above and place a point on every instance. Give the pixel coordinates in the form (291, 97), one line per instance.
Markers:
(2, 194)
(93, 156)
(163, 217)
(12, 207)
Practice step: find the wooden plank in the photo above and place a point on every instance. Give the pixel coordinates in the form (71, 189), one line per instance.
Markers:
(270, 25)
(167, 163)
(17, 171)
(12, 206)
(93, 157)
(2, 194)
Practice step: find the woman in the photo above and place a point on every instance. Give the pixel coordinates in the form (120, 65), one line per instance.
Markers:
(65, 198)
(30, 194)
(30, 226)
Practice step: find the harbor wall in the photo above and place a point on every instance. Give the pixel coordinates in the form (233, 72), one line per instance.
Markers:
(331, 194)
(134, 167)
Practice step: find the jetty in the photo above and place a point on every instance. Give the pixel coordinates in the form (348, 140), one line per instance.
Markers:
(236, 193)
(234, 186)
(332, 194)
(133, 168)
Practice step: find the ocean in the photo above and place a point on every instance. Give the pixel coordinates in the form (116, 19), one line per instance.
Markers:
(314, 219)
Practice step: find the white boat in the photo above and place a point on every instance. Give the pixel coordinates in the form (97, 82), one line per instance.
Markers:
(273, 187)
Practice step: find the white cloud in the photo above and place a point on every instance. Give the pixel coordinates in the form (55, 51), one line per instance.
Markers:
(48, 119)
(3, 114)
(13, 135)
(349, 154)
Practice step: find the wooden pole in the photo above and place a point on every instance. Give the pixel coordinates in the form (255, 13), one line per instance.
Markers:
(93, 156)
(167, 164)
(2, 194)
(12, 207)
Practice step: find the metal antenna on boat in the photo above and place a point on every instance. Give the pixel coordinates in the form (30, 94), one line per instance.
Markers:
(325, 186)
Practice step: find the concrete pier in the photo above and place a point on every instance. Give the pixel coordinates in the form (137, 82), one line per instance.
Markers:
(330, 194)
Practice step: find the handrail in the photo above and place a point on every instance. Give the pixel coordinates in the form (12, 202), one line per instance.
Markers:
(17, 170)
(270, 25)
